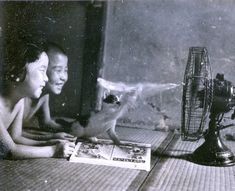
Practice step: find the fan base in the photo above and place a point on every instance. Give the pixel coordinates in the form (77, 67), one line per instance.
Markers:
(213, 161)
(213, 152)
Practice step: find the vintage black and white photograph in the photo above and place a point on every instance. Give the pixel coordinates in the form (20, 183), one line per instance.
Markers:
(117, 95)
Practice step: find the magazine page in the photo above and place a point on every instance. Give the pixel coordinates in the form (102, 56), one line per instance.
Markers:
(128, 155)
(90, 150)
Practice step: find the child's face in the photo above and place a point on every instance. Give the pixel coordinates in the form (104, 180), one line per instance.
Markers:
(57, 73)
(36, 77)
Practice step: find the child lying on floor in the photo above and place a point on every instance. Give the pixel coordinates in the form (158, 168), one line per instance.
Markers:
(24, 76)
(50, 127)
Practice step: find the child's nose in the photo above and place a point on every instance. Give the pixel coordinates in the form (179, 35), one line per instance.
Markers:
(64, 76)
(45, 78)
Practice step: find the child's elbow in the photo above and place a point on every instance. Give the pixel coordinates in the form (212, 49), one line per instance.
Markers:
(16, 152)
(16, 138)
(51, 123)
(47, 122)
(11, 152)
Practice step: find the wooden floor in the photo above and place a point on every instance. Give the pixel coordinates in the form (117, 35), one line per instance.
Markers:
(169, 170)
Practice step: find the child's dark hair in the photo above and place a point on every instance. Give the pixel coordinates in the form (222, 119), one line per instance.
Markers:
(54, 48)
(17, 55)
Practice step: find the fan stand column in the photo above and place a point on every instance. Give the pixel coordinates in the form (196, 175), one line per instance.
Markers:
(213, 151)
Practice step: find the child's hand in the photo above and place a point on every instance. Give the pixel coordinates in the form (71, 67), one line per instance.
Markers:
(54, 141)
(64, 149)
(64, 136)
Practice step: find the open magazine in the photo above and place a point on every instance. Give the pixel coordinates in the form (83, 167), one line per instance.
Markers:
(127, 155)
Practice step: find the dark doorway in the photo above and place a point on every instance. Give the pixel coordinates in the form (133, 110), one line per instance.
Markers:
(77, 26)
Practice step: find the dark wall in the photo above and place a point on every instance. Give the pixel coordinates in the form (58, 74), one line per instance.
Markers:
(72, 25)
(1, 48)
(59, 22)
(149, 41)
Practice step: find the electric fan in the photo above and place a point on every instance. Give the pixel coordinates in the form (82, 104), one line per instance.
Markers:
(205, 98)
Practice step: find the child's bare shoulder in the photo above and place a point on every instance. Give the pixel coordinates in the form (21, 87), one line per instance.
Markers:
(2, 105)
(19, 105)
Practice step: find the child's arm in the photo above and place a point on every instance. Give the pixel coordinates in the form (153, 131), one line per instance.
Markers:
(48, 135)
(47, 119)
(43, 135)
(16, 129)
(18, 151)
(61, 150)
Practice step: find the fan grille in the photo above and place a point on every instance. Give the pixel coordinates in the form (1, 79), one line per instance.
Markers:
(197, 94)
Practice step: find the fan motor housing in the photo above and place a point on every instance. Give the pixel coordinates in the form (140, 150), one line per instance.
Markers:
(223, 95)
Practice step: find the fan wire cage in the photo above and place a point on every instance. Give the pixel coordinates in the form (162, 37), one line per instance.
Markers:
(197, 94)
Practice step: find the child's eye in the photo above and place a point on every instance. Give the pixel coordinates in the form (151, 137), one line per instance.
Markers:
(58, 70)
(43, 69)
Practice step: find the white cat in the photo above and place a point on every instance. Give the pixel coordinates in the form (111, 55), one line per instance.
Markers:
(113, 107)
